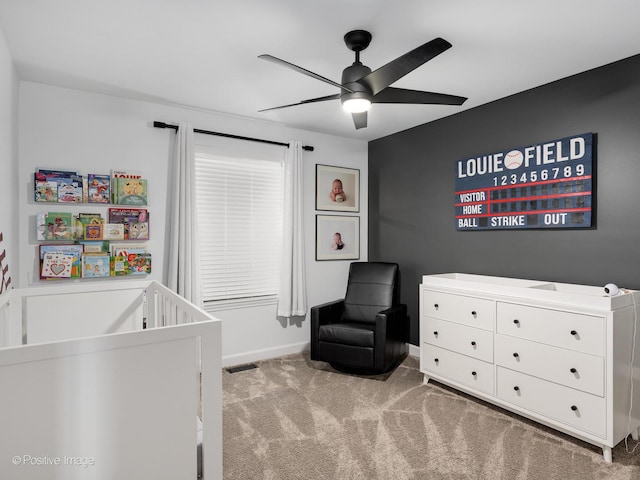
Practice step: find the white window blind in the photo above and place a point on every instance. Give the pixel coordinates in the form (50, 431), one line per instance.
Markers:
(239, 202)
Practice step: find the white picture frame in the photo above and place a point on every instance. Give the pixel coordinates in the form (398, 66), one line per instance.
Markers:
(337, 237)
(337, 189)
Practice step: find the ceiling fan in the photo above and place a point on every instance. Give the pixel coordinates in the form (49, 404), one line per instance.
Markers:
(361, 87)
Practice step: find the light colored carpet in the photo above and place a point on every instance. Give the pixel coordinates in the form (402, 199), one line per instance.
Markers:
(292, 418)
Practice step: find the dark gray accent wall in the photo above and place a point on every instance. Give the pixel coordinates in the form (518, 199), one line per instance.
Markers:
(412, 177)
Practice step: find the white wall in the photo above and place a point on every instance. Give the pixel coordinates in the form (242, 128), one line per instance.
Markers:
(8, 161)
(70, 129)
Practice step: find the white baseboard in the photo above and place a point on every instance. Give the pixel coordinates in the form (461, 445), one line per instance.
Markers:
(257, 355)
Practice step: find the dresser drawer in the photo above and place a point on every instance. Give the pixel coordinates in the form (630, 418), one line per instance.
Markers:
(476, 312)
(571, 407)
(583, 333)
(458, 368)
(574, 369)
(471, 341)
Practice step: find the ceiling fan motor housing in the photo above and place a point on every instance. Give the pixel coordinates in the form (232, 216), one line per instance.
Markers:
(350, 77)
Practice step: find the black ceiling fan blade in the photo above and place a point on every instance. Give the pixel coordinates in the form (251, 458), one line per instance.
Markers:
(311, 100)
(304, 71)
(384, 76)
(360, 120)
(401, 95)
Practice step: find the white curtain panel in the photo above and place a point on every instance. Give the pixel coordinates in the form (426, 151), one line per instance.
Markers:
(292, 297)
(184, 258)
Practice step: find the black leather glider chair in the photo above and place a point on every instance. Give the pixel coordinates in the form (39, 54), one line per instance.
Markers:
(368, 330)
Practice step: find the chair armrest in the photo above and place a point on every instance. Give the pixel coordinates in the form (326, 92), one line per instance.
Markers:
(324, 314)
(330, 312)
(391, 335)
(393, 323)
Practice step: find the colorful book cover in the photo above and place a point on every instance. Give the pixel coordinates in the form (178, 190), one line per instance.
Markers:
(84, 219)
(58, 226)
(56, 265)
(74, 250)
(45, 190)
(139, 264)
(126, 249)
(130, 191)
(128, 216)
(41, 226)
(113, 231)
(96, 265)
(99, 188)
(90, 218)
(93, 232)
(70, 190)
(139, 231)
(55, 173)
(95, 246)
(119, 265)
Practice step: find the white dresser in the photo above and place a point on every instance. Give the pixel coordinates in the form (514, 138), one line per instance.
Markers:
(559, 354)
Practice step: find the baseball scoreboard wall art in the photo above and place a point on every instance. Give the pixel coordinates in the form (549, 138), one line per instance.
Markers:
(547, 185)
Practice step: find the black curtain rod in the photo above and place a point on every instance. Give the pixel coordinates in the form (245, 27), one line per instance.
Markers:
(228, 135)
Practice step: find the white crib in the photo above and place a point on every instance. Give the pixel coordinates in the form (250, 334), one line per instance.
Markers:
(106, 381)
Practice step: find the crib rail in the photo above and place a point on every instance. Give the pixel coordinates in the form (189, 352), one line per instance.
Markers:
(139, 355)
(165, 308)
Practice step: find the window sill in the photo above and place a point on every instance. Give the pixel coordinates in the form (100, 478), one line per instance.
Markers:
(240, 303)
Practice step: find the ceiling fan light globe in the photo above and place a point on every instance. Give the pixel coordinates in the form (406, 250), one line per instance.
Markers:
(356, 105)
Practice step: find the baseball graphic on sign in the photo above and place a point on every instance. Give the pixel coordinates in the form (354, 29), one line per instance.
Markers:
(513, 159)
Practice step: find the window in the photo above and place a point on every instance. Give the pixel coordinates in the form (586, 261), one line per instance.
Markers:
(239, 204)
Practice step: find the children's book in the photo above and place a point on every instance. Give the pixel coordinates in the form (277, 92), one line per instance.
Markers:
(127, 216)
(96, 265)
(139, 231)
(41, 226)
(73, 250)
(45, 190)
(93, 232)
(119, 265)
(46, 183)
(99, 188)
(130, 191)
(70, 189)
(139, 264)
(95, 246)
(56, 265)
(134, 174)
(126, 249)
(58, 226)
(113, 231)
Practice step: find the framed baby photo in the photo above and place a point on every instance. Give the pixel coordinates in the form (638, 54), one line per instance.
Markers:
(337, 237)
(337, 189)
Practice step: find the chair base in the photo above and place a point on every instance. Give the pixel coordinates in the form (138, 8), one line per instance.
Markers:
(363, 371)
